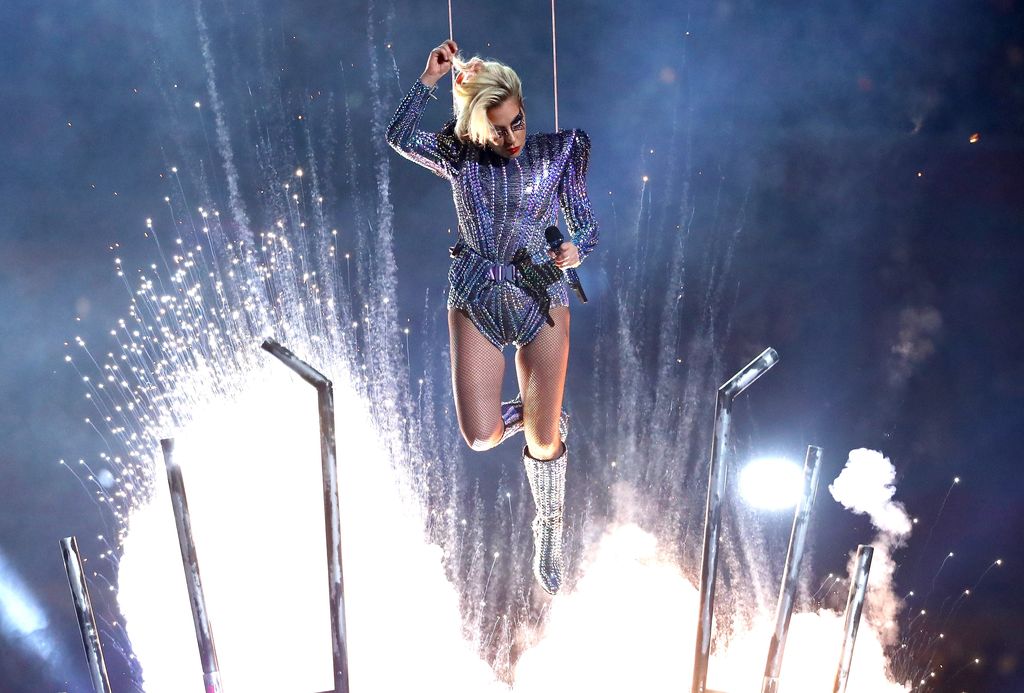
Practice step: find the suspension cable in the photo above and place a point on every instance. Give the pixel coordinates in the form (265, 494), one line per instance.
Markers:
(554, 59)
(554, 56)
(451, 37)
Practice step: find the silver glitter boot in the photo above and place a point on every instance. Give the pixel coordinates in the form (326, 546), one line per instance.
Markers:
(512, 416)
(547, 482)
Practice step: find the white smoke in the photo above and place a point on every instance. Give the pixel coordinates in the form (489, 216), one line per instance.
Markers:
(915, 342)
(630, 622)
(227, 154)
(251, 465)
(866, 486)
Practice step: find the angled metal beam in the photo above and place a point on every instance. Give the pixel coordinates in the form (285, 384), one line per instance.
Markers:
(713, 514)
(332, 510)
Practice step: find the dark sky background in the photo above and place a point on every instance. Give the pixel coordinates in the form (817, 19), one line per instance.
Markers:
(881, 251)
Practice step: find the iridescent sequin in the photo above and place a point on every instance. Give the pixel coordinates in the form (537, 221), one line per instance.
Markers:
(502, 205)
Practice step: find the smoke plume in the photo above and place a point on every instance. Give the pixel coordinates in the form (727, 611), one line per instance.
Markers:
(866, 486)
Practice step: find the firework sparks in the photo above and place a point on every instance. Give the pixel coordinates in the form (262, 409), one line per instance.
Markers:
(421, 570)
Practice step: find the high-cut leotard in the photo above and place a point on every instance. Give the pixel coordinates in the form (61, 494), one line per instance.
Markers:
(502, 205)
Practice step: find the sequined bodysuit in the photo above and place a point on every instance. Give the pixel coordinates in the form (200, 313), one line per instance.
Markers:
(502, 205)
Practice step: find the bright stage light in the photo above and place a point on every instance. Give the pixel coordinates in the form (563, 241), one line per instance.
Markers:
(771, 483)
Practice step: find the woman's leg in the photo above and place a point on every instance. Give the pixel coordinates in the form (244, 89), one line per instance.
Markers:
(541, 366)
(477, 371)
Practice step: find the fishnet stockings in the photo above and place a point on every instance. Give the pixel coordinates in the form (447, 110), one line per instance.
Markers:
(478, 368)
(541, 366)
(477, 371)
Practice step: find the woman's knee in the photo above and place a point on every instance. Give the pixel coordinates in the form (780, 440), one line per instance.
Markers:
(479, 438)
(543, 446)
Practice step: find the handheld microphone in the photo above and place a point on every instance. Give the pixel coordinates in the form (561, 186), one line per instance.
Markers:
(553, 235)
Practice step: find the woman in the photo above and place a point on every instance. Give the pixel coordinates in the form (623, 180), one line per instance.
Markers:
(506, 285)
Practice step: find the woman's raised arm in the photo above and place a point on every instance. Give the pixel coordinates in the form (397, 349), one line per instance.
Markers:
(434, 150)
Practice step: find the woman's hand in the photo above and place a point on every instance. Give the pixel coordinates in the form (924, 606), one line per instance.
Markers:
(439, 62)
(567, 256)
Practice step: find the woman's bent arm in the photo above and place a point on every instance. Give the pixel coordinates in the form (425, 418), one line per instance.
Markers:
(434, 150)
(572, 196)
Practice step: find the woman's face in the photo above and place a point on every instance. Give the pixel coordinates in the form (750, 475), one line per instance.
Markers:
(508, 127)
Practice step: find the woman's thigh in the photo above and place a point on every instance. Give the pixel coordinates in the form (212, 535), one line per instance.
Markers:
(478, 368)
(541, 367)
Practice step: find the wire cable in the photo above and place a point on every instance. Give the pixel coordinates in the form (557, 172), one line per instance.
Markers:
(554, 60)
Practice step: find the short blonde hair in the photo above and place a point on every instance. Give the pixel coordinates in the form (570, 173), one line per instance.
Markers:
(479, 85)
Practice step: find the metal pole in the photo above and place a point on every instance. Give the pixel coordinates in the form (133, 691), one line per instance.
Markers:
(200, 616)
(791, 573)
(713, 514)
(332, 511)
(854, 608)
(86, 616)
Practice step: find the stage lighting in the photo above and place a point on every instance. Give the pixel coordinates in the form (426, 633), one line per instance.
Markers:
(771, 483)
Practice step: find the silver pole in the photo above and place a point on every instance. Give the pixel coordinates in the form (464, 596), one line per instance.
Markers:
(713, 514)
(332, 511)
(854, 608)
(196, 597)
(86, 616)
(791, 573)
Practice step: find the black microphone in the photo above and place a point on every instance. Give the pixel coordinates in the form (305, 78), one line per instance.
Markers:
(553, 235)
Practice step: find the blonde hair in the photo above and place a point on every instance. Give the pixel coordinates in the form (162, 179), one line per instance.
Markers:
(479, 85)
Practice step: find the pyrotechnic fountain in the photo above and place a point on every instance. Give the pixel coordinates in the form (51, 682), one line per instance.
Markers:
(438, 589)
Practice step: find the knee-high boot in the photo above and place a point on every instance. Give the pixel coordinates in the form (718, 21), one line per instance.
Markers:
(547, 483)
